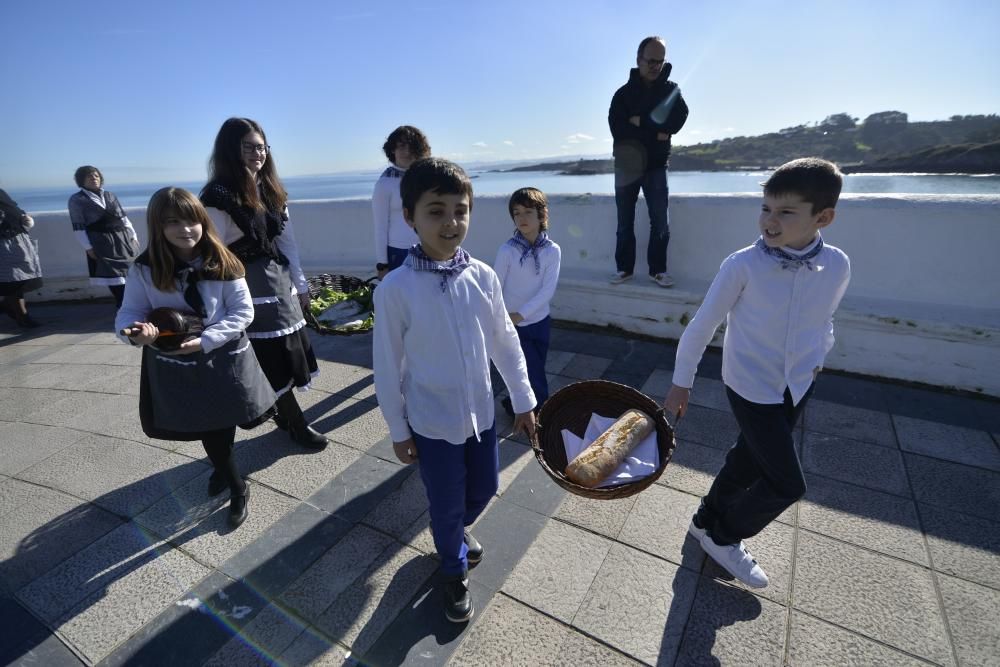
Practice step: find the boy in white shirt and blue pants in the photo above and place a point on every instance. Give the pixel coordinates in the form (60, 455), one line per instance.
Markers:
(778, 297)
(440, 320)
(528, 268)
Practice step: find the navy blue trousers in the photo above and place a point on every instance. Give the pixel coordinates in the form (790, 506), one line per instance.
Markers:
(460, 481)
(653, 184)
(534, 340)
(395, 256)
(762, 476)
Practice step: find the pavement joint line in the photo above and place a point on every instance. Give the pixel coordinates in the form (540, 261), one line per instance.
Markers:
(874, 640)
(615, 540)
(787, 649)
(930, 560)
(573, 628)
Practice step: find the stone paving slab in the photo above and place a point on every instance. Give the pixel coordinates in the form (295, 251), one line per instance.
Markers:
(693, 468)
(189, 631)
(365, 609)
(972, 617)
(711, 428)
(604, 517)
(109, 589)
(639, 604)
(314, 592)
(16, 404)
(198, 524)
(24, 445)
(314, 650)
(861, 463)
(398, 510)
(962, 545)
(954, 486)
(281, 464)
(27, 641)
(82, 410)
(270, 632)
(817, 644)
(511, 633)
(121, 476)
(585, 367)
(866, 518)
(729, 626)
(658, 524)
(39, 528)
(951, 443)
(891, 558)
(850, 422)
(558, 591)
(883, 598)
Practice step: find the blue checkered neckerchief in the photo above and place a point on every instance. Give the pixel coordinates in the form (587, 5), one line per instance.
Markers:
(787, 259)
(419, 260)
(520, 243)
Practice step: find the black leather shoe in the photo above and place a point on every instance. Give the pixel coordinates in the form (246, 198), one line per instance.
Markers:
(216, 484)
(309, 437)
(239, 507)
(28, 322)
(280, 422)
(457, 600)
(475, 553)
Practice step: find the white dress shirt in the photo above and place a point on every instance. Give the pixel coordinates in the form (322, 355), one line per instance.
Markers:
(524, 291)
(432, 351)
(387, 213)
(779, 323)
(230, 232)
(227, 305)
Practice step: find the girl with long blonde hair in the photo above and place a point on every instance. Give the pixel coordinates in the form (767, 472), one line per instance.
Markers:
(200, 379)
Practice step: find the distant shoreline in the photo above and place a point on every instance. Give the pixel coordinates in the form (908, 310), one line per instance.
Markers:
(599, 167)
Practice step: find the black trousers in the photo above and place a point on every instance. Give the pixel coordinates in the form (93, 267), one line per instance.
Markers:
(762, 475)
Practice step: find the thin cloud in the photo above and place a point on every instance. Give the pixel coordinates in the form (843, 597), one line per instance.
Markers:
(480, 144)
(578, 138)
(508, 142)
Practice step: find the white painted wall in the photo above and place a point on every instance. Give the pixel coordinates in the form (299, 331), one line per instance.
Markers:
(923, 304)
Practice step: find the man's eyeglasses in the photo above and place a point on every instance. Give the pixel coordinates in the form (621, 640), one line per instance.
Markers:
(653, 63)
(255, 148)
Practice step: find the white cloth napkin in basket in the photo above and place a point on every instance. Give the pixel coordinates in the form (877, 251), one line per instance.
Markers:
(641, 462)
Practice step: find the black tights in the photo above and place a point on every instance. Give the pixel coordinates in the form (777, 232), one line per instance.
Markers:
(219, 447)
(117, 291)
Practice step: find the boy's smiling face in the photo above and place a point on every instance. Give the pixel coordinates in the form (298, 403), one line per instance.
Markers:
(441, 221)
(788, 220)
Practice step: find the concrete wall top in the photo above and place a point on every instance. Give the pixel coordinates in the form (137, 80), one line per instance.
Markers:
(921, 249)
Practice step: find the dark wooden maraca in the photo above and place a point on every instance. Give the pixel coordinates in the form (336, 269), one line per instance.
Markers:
(175, 327)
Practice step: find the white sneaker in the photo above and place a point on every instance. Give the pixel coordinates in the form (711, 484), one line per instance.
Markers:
(737, 561)
(695, 532)
(663, 279)
(620, 278)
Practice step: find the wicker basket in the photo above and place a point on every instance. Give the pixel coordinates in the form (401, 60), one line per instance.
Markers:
(338, 283)
(571, 407)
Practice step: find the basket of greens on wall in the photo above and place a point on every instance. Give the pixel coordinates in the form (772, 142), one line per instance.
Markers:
(341, 305)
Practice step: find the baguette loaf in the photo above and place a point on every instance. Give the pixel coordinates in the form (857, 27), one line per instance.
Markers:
(595, 463)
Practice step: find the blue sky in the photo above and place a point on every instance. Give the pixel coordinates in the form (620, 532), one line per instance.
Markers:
(140, 88)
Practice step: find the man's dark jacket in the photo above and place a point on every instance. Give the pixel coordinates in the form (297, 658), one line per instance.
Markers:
(660, 108)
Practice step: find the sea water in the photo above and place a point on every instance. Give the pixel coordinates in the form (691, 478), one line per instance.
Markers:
(359, 185)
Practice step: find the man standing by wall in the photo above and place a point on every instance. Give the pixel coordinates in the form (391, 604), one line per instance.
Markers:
(644, 113)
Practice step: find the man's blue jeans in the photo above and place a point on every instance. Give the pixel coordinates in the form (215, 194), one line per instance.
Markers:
(653, 183)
